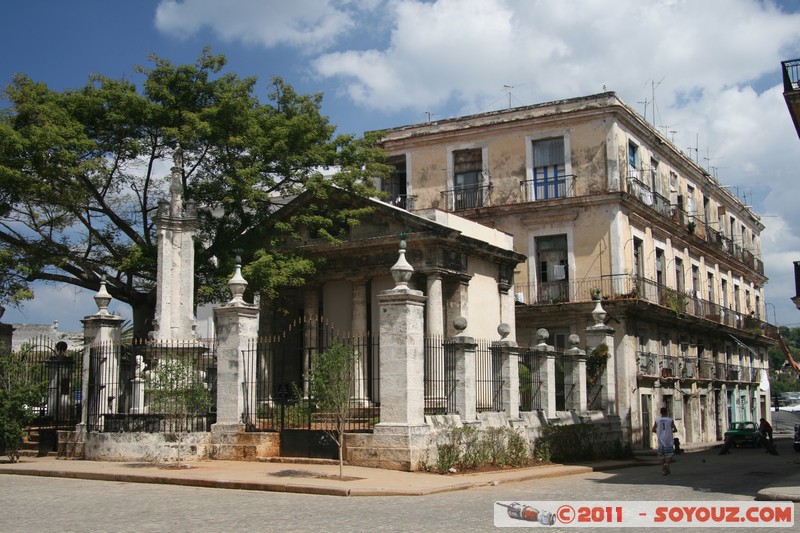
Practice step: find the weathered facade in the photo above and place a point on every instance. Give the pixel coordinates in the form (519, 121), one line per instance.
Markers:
(603, 206)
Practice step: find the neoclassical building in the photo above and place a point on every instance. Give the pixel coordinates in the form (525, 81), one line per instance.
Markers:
(601, 205)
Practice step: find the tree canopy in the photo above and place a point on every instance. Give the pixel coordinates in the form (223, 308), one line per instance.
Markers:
(82, 172)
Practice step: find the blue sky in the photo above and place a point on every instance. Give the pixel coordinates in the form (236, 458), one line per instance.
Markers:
(712, 66)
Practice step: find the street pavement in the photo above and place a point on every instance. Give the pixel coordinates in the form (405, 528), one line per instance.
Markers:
(322, 477)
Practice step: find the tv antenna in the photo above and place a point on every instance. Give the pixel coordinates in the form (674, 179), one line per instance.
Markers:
(429, 115)
(508, 89)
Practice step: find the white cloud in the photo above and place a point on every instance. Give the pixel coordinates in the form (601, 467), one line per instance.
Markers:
(704, 64)
(307, 24)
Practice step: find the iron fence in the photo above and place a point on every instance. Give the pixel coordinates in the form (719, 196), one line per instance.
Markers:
(488, 378)
(52, 362)
(275, 381)
(530, 383)
(152, 386)
(439, 376)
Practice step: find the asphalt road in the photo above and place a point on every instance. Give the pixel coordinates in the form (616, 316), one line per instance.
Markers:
(52, 504)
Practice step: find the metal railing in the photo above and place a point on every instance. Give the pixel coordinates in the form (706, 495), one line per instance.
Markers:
(488, 378)
(530, 383)
(276, 388)
(627, 286)
(538, 189)
(146, 386)
(791, 75)
(467, 197)
(439, 376)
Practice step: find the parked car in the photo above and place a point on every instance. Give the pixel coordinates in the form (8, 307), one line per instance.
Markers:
(743, 434)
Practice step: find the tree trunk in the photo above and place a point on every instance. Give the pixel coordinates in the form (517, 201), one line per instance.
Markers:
(144, 308)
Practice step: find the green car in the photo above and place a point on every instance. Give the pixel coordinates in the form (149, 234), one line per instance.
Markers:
(743, 433)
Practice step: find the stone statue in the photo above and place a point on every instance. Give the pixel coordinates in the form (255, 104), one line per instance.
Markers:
(139, 367)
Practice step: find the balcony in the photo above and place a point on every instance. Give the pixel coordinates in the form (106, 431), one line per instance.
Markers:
(629, 287)
(791, 90)
(466, 197)
(648, 197)
(539, 189)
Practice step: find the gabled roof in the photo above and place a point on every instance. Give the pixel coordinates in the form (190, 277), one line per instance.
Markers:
(388, 222)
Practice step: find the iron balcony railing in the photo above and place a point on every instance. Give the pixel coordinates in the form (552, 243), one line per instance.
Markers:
(627, 286)
(466, 197)
(672, 367)
(549, 188)
(791, 75)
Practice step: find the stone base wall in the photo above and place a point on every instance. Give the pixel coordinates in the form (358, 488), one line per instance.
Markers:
(410, 449)
(158, 447)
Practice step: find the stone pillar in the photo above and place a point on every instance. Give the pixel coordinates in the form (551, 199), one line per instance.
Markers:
(435, 309)
(102, 336)
(596, 335)
(508, 353)
(466, 385)
(176, 226)
(359, 330)
(457, 303)
(399, 441)
(547, 373)
(576, 366)
(237, 325)
(402, 350)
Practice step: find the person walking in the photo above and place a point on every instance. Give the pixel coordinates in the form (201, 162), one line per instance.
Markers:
(664, 428)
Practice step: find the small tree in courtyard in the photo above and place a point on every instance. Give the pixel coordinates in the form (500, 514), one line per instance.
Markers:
(330, 382)
(21, 391)
(178, 391)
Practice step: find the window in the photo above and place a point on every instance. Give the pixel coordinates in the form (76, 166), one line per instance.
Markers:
(550, 179)
(711, 287)
(395, 185)
(679, 281)
(467, 178)
(551, 259)
(659, 266)
(633, 160)
(654, 179)
(690, 205)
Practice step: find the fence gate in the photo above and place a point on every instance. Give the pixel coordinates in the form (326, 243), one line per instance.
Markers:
(276, 394)
(61, 369)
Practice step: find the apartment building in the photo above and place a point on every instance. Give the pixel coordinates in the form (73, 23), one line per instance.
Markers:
(603, 206)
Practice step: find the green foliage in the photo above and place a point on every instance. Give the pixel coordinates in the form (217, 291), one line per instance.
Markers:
(177, 389)
(464, 448)
(596, 363)
(329, 382)
(80, 177)
(579, 442)
(541, 450)
(20, 393)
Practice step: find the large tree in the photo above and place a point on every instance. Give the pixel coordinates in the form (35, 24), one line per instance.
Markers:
(82, 171)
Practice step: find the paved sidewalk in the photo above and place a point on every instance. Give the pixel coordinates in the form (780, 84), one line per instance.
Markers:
(319, 478)
(323, 477)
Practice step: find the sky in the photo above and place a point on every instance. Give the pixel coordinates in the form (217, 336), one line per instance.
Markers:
(705, 73)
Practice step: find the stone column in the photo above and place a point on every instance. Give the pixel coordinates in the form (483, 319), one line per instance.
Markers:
(509, 371)
(399, 441)
(237, 325)
(547, 373)
(359, 329)
(576, 361)
(102, 336)
(435, 309)
(457, 302)
(466, 386)
(596, 335)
